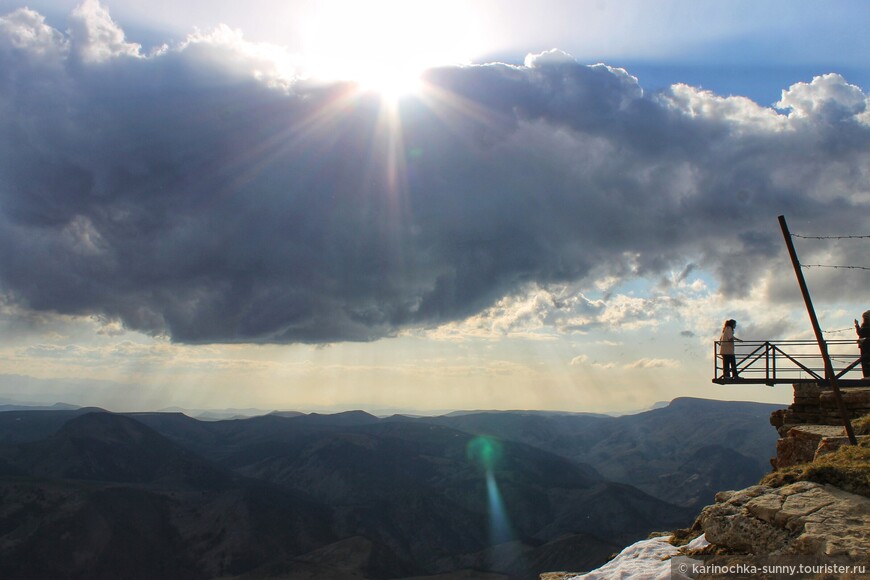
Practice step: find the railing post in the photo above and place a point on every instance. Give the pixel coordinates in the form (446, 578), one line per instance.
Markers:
(767, 360)
(823, 347)
(716, 360)
(774, 364)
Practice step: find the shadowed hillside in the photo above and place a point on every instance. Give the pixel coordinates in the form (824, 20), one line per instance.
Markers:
(113, 448)
(107, 497)
(351, 495)
(682, 453)
(21, 426)
(400, 480)
(304, 497)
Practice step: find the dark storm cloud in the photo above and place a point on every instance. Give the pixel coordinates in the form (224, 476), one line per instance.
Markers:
(196, 192)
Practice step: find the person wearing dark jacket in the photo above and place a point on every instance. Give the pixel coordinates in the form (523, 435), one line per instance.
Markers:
(863, 331)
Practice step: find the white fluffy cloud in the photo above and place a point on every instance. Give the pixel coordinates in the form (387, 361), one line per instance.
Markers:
(828, 96)
(206, 193)
(95, 36)
(27, 32)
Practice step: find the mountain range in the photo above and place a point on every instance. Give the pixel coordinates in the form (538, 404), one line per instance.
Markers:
(91, 494)
(682, 453)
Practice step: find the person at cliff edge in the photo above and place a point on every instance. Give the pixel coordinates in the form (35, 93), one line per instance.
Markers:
(863, 331)
(726, 349)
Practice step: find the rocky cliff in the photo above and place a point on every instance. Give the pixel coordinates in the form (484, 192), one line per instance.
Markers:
(802, 518)
(816, 502)
(814, 506)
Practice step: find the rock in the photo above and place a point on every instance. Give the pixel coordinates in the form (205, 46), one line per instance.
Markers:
(800, 443)
(806, 443)
(644, 560)
(777, 418)
(816, 405)
(855, 399)
(803, 518)
(796, 447)
(818, 430)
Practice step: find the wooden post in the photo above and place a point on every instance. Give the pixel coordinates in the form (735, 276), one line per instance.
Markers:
(823, 346)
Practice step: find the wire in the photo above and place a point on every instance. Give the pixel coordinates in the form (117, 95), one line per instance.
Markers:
(830, 237)
(829, 266)
(838, 330)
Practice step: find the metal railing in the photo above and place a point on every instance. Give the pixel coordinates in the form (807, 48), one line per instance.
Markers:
(787, 361)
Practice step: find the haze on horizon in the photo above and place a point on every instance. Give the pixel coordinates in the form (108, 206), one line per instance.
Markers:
(420, 205)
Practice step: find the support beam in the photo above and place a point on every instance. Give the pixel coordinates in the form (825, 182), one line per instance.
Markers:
(823, 346)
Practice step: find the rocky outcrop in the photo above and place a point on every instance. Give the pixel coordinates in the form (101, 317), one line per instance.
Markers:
(806, 443)
(799, 520)
(803, 518)
(816, 405)
(812, 426)
(799, 444)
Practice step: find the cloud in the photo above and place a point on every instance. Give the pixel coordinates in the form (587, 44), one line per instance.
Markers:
(207, 193)
(531, 312)
(653, 363)
(827, 96)
(125, 350)
(585, 361)
(95, 36)
(25, 32)
(54, 351)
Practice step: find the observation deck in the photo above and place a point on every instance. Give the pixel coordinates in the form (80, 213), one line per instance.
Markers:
(789, 362)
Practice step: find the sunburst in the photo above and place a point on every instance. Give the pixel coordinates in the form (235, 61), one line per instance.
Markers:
(384, 46)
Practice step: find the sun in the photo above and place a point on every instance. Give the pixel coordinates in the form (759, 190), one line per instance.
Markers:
(391, 80)
(385, 45)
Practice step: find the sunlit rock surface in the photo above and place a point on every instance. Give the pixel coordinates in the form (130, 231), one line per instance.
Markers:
(802, 518)
(644, 560)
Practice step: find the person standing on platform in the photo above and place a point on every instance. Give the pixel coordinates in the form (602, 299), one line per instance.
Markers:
(863, 331)
(726, 349)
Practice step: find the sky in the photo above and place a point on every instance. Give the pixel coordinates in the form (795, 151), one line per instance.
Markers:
(421, 206)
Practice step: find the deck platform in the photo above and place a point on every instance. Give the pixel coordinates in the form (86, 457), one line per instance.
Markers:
(843, 383)
(790, 362)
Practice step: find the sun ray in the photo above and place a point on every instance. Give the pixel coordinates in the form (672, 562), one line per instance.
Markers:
(454, 110)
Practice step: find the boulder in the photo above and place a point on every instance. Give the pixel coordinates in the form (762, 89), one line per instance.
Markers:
(800, 444)
(803, 518)
(806, 443)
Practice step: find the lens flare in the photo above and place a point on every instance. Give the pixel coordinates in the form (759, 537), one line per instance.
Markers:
(486, 453)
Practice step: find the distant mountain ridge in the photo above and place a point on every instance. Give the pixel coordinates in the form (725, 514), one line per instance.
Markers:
(654, 450)
(36, 407)
(101, 446)
(349, 494)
